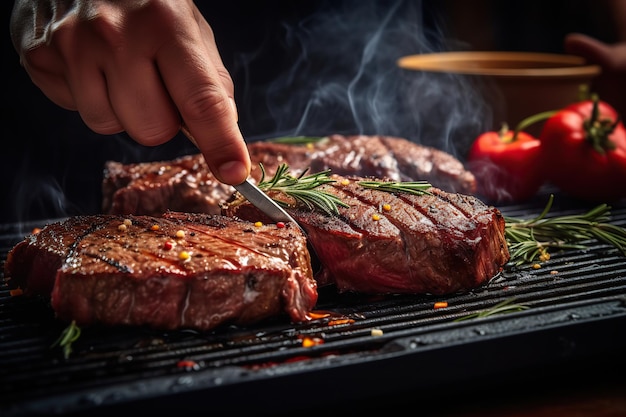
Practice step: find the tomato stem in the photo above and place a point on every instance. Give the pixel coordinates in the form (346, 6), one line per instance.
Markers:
(598, 130)
(530, 120)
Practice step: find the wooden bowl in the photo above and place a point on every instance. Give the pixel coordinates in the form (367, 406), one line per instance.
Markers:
(526, 83)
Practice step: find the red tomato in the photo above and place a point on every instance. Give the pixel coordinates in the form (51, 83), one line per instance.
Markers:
(507, 168)
(584, 151)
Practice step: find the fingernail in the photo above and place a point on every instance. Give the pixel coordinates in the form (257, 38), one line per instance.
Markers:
(234, 107)
(233, 172)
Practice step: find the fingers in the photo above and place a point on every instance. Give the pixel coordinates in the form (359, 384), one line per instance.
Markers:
(211, 119)
(144, 68)
(141, 102)
(50, 80)
(202, 90)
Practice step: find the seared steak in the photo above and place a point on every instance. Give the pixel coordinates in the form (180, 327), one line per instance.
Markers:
(179, 271)
(152, 188)
(389, 157)
(384, 242)
(186, 184)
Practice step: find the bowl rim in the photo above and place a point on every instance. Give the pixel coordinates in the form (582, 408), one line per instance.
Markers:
(569, 66)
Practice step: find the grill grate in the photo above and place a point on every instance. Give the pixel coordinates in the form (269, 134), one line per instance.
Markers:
(584, 302)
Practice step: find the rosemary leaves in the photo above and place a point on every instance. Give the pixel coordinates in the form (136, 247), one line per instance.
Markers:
(506, 306)
(408, 187)
(531, 239)
(68, 336)
(303, 188)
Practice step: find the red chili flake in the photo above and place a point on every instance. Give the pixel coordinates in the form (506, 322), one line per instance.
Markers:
(314, 315)
(340, 321)
(167, 245)
(280, 225)
(188, 364)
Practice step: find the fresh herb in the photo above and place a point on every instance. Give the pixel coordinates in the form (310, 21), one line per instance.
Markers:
(297, 140)
(69, 335)
(303, 188)
(531, 239)
(503, 307)
(408, 187)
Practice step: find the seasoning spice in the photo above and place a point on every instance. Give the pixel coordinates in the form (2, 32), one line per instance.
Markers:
(340, 321)
(311, 341)
(188, 364)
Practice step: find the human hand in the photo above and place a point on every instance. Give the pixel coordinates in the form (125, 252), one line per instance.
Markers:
(144, 67)
(610, 85)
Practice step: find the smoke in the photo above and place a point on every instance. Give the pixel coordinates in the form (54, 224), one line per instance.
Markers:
(343, 78)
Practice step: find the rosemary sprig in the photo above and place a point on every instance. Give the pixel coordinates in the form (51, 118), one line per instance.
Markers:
(409, 187)
(297, 140)
(68, 336)
(503, 307)
(531, 239)
(303, 188)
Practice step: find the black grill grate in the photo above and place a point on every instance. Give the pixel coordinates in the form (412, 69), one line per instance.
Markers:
(578, 311)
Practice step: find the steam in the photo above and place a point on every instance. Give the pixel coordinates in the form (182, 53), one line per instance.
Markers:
(344, 79)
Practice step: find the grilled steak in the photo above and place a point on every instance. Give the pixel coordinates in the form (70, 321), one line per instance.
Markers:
(389, 157)
(178, 271)
(186, 184)
(438, 243)
(152, 188)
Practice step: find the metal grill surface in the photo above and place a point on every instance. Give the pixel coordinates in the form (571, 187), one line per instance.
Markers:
(577, 308)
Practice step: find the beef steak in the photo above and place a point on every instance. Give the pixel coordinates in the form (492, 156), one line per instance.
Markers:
(152, 188)
(186, 184)
(179, 271)
(437, 243)
(377, 156)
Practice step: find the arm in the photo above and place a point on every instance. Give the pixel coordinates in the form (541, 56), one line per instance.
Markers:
(143, 67)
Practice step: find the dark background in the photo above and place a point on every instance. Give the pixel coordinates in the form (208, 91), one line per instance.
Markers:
(52, 163)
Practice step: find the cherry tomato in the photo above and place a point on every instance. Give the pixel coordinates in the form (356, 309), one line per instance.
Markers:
(507, 166)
